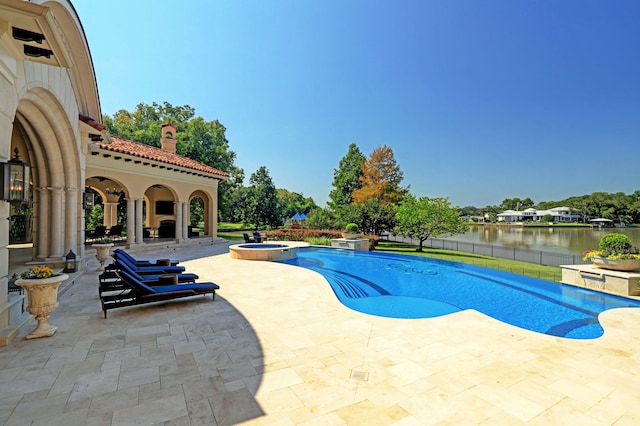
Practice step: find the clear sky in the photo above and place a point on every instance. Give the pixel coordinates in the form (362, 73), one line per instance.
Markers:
(479, 100)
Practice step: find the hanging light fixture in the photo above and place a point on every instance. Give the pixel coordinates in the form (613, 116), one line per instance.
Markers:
(15, 178)
(116, 190)
(88, 199)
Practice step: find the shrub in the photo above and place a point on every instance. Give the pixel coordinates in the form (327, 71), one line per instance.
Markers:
(351, 227)
(319, 241)
(615, 242)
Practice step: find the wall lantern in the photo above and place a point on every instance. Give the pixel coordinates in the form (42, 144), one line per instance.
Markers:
(70, 262)
(88, 199)
(15, 177)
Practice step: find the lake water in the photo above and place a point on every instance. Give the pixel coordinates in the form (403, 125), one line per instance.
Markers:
(559, 240)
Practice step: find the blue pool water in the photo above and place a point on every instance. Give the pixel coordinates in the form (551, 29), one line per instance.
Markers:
(400, 286)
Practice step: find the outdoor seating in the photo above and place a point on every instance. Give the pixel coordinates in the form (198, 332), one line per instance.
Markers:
(155, 279)
(257, 236)
(138, 262)
(135, 292)
(115, 232)
(152, 269)
(99, 233)
(248, 239)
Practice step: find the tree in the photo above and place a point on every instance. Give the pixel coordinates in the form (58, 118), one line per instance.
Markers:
(262, 201)
(196, 212)
(346, 178)
(427, 217)
(376, 218)
(319, 218)
(517, 204)
(381, 178)
(291, 203)
(200, 140)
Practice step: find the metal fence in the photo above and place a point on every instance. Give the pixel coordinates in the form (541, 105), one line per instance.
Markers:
(512, 253)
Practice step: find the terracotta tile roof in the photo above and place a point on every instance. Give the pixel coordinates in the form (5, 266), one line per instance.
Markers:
(91, 122)
(136, 149)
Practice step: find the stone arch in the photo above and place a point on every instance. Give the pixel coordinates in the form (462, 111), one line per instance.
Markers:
(163, 211)
(113, 191)
(207, 205)
(54, 155)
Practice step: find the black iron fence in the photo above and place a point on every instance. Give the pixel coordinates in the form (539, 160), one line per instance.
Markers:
(512, 253)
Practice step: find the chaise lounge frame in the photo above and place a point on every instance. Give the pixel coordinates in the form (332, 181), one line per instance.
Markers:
(135, 292)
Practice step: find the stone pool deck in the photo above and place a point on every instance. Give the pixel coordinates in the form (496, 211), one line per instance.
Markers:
(277, 348)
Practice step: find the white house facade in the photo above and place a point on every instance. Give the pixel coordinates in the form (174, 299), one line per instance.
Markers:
(557, 214)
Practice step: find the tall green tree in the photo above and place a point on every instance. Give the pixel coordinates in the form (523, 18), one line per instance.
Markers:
(427, 217)
(346, 178)
(262, 203)
(291, 203)
(381, 179)
(198, 139)
(517, 204)
(320, 218)
(376, 218)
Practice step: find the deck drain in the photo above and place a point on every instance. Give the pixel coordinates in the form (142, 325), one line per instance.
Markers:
(363, 376)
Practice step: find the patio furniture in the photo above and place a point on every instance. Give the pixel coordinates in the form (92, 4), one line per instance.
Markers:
(135, 292)
(99, 233)
(257, 236)
(153, 269)
(138, 262)
(115, 232)
(155, 279)
(248, 239)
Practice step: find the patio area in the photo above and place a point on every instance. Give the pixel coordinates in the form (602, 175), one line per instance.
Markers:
(277, 347)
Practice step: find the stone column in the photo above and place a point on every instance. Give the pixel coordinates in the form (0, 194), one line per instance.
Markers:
(71, 220)
(179, 220)
(131, 221)
(110, 214)
(138, 226)
(41, 217)
(185, 220)
(57, 224)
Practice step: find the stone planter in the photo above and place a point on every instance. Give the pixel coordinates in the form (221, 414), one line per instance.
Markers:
(102, 254)
(616, 264)
(42, 299)
(351, 235)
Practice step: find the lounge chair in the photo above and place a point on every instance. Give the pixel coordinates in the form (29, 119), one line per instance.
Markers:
(137, 293)
(138, 262)
(154, 279)
(150, 269)
(257, 236)
(248, 239)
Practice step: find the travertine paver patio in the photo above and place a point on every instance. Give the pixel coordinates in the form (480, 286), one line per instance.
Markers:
(276, 347)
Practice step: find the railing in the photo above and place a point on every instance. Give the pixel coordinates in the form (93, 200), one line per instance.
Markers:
(512, 253)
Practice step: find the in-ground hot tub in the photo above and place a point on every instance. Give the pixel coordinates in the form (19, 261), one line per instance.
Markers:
(263, 251)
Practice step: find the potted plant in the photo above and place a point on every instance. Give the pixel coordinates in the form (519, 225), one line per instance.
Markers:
(615, 252)
(102, 251)
(41, 284)
(351, 232)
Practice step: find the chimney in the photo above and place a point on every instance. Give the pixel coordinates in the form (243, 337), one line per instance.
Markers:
(168, 139)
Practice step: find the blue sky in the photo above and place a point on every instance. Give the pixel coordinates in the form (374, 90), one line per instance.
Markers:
(479, 100)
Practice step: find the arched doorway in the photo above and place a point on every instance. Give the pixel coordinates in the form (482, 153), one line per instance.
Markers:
(43, 133)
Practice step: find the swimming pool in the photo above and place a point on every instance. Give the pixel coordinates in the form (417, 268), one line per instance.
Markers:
(400, 286)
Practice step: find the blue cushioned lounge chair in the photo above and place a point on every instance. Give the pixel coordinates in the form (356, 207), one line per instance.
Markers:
(138, 262)
(152, 269)
(154, 279)
(136, 292)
